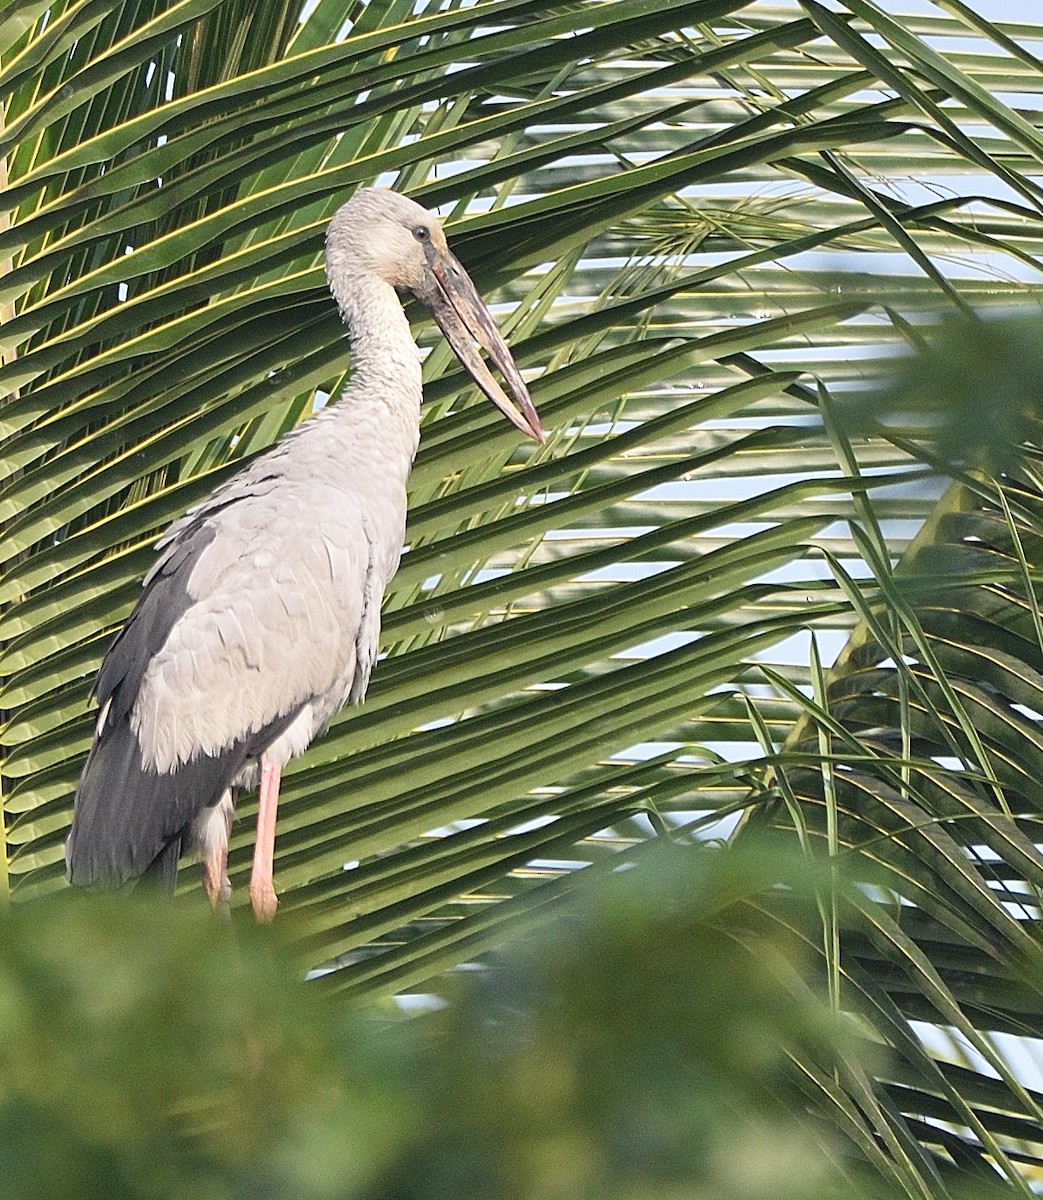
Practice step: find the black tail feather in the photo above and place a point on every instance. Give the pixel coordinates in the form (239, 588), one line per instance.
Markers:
(130, 819)
(161, 873)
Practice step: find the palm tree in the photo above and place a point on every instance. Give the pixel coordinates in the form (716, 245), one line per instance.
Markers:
(714, 596)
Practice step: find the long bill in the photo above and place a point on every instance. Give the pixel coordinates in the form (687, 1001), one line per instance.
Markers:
(463, 318)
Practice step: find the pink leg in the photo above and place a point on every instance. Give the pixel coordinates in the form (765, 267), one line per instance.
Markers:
(262, 890)
(213, 835)
(215, 879)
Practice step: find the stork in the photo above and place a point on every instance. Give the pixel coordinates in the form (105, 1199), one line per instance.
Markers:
(260, 617)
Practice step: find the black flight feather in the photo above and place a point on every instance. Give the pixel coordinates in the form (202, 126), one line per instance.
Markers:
(130, 818)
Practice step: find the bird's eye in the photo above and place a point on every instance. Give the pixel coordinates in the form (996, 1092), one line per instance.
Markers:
(421, 233)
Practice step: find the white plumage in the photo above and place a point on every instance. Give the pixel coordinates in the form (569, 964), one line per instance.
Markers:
(260, 618)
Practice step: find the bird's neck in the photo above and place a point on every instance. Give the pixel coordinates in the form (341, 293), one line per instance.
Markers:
(378, 415)
(383, 351)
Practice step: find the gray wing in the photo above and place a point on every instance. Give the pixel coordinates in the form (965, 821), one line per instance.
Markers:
(241, 623)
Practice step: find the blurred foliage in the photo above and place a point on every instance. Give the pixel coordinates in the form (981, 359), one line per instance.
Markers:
(641, 1047)
(149, 1050)
(970, 395)
(641, 1044)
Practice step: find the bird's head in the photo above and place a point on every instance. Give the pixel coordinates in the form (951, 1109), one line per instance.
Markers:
(382, 233)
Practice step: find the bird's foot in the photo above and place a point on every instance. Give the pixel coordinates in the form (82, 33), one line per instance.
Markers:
(264, 900)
